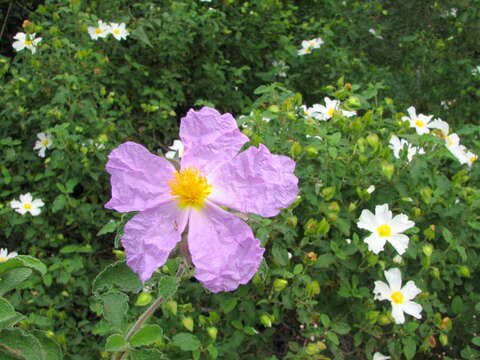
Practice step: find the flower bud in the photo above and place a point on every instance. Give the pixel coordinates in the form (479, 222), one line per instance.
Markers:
(328, 192)
(435, 273)
(274, 109)
(332, 216)
(248, 132)
(295, 149)
(313, 288)
(280, 284)
(292, 220)
(464, 271)
(143, 299)
(352, 206)
(428, 250)
(372, 316)
(315, 348)
(373, 140)
(353, 102)
(310, 258)
(266, 320)
(426, 194)
(384, 320)
(119, 254)
(212, 332)
(172, 306)
(310, 227)
(323, 227)
(446, 324)
(416, 212)
(188, 323)
(311, 152)
(429, 232)
(443, 339)
(388, 170)
(372, 259)
(333, 206)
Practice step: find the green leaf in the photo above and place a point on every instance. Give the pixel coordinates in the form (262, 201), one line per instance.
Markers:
(117, 275)
(7, 312)
(115, 342)
(476, 340)
(82, 249)
(457, 305)
(115, 307)
(333, 338)
(59, 203)
(147, 335)
(324, 261)
(23, 261)
(23, 345)
(409, 348)
(109, 227)
(51, 349)
(12, 278)
(280, 255)
(325, 320)
(146, 354)
(140, 34)
(341, 328)
(186, 342)
(229, 304)
(447, 235)
(167, 286)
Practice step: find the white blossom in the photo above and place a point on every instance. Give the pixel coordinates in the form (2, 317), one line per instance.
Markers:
(27, 204)
(26, 41)
(43, 143)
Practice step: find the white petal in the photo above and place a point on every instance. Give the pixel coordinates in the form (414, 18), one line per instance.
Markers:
(394, 278)
(412, 308)
(367, 221)
(12, 255)
(440, 125)
(397, 313)
(21, 210)
(348, 113)
(26, 198)
(410, 290)
(400, 223)
(170, 154)
(379, 356)
(375, 243)
(35, 211)
(3, 252)
(383, 214)
(15, 204)
(18, 45)
(399, 242)
(412, 112)
(37, 203)
(381, 291)
(20, 36)
(41, 152)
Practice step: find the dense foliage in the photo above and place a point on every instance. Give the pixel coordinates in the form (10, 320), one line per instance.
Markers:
(312, 297)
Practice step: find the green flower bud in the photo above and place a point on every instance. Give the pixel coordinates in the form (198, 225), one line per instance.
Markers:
(446, 324)
(352, 206)
(295, 149)
(429, 232)
(274, 109)
(248, 132)
(328, 192)
(353, 102)
(443, 339)
(172, 307)
(292, 220)
(464, 271)
(188, 323)
(372, 316)
(313, 288)
(388, 170)
(315, 348)
(332, 216)
(266, 320)
(426, 194)
(416, 212)
(373, 140)
(280, 284)
(143, 299)
(323, 227)
(310, 258)
(119, 254)
(333, 206)
(428, 250)
(435, 273)
(384, 320)
(212, 332)
(310, 228)
(311, 152)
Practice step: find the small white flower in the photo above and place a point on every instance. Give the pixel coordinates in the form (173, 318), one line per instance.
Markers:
(118, 31)
(374, 33)
(314, 137)
(420, 122)
(384, 227)
(281, 68)
(5, 256)
(400, 297)
(397, 259)
(177, 149)
(27, 204)
(43, 143)
(312, 112)
(26, 41)
(476, 71)
(349, 241)
(441, 125)
(331, 108)
(371, 189)
(100, 31)
(470, 158)
(398, 145)
(309, 45)
(379, 356)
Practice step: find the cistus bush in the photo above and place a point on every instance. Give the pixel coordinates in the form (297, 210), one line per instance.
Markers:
(330, 84)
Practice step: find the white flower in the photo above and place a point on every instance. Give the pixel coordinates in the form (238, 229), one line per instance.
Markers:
(384, 227)
(314, 137)
(397, 259)
(331, 108)
(26, 41)
(43, 143)
(281, 68)
(349, 241)
(100, 31)
(420, 122)
(177, 149)
(379, 356)
(374, 33)
(397, 145)
(27, 204)
(118, 31)
(312, 112)
(309, 45)
(469, 158)
(371, 189)
(399, 297)
(476, 71)
(4, 255)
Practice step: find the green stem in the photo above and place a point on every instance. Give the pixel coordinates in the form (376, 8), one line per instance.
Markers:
(145, 316)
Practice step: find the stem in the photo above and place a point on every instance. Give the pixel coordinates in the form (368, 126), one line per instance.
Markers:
(145, 316)
(6, 18)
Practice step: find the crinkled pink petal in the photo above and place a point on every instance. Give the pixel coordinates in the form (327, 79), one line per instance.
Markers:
(255, 181)
(150, 236)
(210, 138)
(223, 248)
(139, 179)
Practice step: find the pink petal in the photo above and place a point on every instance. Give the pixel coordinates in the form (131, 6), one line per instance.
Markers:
(224, 250)
(139, 179)
(256, 181)
(150, 236)
(210, 138)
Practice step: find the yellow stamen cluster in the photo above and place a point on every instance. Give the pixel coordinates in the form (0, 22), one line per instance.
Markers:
(330, 112)
(116, 32)
(473, 159)
(384, 230)
(28, 42)
(3, 259)
(189, 188)
(45, 142)
(98, 31)
(419, 123)
(27, 206)
(397, 297)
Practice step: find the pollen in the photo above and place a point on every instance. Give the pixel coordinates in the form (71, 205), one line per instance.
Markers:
(27, 206)
(384, 230)
(419, 123)
(473, 159)
(397, 297)
(45, 142)
(28, 42)
(116, 32)
(3, 258)
(98, 31)
(189, 188)
(330, 112)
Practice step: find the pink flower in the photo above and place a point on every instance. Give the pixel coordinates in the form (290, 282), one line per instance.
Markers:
(212, 175)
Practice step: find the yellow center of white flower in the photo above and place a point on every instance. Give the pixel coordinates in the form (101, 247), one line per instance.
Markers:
(98, 31)
(3, 258)
(473, 158)
(397, 297)
(28, 42)
(116, 32)
(189, 188)
(384, 230)
(419, 123)
(27, 206)
(330, 112)
(45, 142)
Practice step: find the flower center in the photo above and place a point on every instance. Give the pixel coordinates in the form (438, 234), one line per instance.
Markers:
(98, 31)
(419, 123)
(28, 42)
(27, 206)
(330, 112)
(384, 230)
(397, 297)
(45, 142)
(3, 258)
(189, 188)
(473, 158)
(116, 32)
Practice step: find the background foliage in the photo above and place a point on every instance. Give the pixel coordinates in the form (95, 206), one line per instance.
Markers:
(312, 297)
